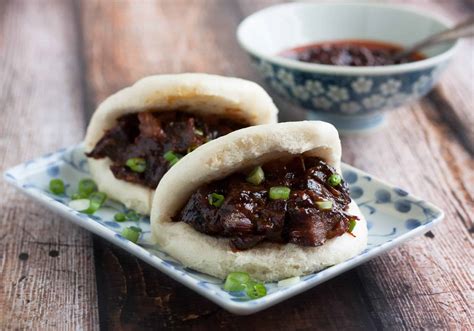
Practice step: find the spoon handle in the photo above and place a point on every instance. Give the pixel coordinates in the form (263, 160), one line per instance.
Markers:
(463, 29)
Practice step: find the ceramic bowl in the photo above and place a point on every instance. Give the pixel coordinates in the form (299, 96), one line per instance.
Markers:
(352, 98)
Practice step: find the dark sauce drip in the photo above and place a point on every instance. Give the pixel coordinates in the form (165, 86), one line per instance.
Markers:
(355, 53)
(149, 135)
(248, 216)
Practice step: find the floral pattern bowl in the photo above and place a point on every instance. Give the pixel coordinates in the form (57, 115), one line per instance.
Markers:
(352, 98)
(393, 216)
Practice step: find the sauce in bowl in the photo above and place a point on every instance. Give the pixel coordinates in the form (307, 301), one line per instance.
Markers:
(355, 53)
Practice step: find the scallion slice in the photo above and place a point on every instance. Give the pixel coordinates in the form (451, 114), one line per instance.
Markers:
(236, 281)
(216, 199)
(191, 148)
(136, 228)
(255, 290)
(77, 196)
(56, 186)
(279, 193)
(79, 204)
(86, 187)
(199, 132)
(288, 281)
(334, 180)
(132, 215)
(131, 234)
(96, 200)
(256, 176)
(352, 224)
(172, 157)
(324, 205)
(136, 164)
(120, 217)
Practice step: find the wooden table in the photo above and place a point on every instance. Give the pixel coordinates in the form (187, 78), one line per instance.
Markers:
(58, 59)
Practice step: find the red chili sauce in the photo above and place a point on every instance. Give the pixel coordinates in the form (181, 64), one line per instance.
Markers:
(355, 53)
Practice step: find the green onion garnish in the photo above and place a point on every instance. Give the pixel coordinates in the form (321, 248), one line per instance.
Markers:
(256, 176)
(236, 281)
(288, 281)
(77, 196)
(169, 155)
(136, 228)
(56, 186)
(172, 157)
(86, 187)
(199, 132)
(120, 217)
(216, 199)
(334, 179)
(132, 215)
(79, 204)
(96, 200)
(256, 290)
(324, 205)
(352, 224)
(279, 193)
(131, 234)
(136, 164)
(190, 149)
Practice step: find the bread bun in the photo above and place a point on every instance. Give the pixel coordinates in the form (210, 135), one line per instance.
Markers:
(195, 93)
(236, 151)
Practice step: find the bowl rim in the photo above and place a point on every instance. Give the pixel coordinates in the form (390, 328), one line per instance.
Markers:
(348, 70)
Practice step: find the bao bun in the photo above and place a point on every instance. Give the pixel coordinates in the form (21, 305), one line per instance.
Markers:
(195, 93)
(239, 150)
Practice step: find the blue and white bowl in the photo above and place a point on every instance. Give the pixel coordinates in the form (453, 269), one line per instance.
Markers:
(352, 98)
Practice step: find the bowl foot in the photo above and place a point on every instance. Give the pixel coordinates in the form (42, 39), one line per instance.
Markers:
(350, 124)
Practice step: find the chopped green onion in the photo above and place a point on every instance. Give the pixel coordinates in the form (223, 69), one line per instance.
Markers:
(256, 176)
(120, 217)
(79, 204)
(136, 164)
(86, 187)
(171, 157)
(279, 193)
(215, 199)
(352, 224)
(136, 228)
(130, 234)
(56, 186)
(288, 281)
(236, 281)
(324, 205)
(77, 196)
(255, 290)
(133, 216)
(199, 132)
(334, 179)
(192, 148)
(96, 200)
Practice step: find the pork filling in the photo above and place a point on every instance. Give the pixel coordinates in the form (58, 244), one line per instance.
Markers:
(301, 201)
(143, 146)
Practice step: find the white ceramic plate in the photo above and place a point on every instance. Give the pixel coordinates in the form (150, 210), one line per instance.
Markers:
(392, 214)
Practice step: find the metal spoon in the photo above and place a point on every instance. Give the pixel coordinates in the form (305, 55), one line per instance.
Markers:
(463, 29)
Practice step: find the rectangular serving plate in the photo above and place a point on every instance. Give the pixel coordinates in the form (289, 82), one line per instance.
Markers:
(392, 214)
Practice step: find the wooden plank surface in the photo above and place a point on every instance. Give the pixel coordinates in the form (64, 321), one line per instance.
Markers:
(424, 284)
(47, 277)
(411, 287)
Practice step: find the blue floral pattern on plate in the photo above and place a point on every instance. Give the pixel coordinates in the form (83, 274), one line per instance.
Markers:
(392, 214)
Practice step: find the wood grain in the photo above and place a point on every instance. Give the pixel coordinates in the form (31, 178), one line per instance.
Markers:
(47, 278)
